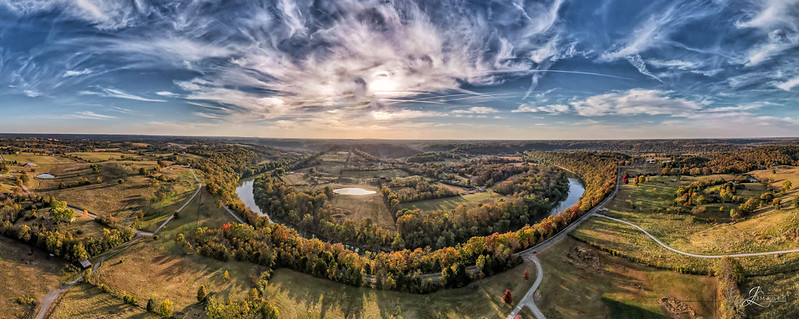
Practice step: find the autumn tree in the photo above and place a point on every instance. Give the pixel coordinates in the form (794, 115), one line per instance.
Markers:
(166, 308)
(786, 186)
(507, 298)
(526, 275)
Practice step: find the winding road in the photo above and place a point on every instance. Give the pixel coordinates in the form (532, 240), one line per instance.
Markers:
(52, 296)
(697, 255)
(529, 253)
(527, 300)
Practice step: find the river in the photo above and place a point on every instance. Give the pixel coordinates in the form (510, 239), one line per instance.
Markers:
(576, 190)
(245, 192)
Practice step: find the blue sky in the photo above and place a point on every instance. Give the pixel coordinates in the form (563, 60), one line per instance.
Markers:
(508, 69)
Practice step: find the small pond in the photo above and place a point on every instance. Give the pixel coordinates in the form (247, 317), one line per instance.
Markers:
(353, 191)
(45, 176)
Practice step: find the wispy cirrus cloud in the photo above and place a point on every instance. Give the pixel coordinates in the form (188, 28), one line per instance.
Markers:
(477, 110)
(114, 93)
(86, 115)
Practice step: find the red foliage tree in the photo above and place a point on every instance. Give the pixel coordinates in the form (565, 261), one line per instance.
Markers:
(507, 298)
(526, 275)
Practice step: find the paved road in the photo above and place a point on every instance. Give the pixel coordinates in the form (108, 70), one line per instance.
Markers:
(528, 300)
(564, 232)
(234, 215)
(697, 255)
(179, 209)
(51, 297)
(529, 253)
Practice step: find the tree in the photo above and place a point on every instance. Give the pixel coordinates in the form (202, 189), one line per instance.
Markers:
(226, 276)
(749, 206)
(398, 242)
(202, 294)
(166, 308)
(786, 186)
(63, 215)
(526, 275)
(507, 298)
(777, 203)
(151, 305)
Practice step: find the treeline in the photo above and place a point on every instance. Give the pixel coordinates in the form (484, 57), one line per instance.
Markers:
(538, 191)
(275, 245)
(414, 189)
(597, 171)
(59, 242)
(544, 180)
(223, 165)
(736, 162)
(311, 211)
(730, 274)
(432, 157)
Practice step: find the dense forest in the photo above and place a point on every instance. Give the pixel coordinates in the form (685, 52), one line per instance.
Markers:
(276, 245)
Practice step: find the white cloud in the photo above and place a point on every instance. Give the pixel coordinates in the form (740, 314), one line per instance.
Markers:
(635, 102)
(788, 85)
(166, 93)
(70, 73)
(403, 115)
(114, 93)
(776, 19)
(738, 108)
(32, 93)
(87, 115)
(555, 109)
(477, 110)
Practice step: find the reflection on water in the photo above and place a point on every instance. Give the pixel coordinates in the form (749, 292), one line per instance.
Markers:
(353, 191)
(246, 195)
(576, 190)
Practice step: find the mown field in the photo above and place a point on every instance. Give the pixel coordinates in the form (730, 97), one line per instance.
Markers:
(357, 208)
(298, 295)
(764, 230)
(453, 202)
(606, 286)
(158, 267)
(86, 301)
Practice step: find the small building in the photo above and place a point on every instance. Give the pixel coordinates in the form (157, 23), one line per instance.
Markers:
(85, 263)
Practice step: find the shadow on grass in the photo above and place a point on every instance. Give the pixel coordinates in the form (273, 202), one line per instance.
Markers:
(620, 310)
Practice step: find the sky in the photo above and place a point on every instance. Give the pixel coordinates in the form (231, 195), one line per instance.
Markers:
(436, 69)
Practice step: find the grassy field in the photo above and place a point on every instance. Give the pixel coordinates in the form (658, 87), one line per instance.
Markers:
(452, 202)
(102, 156)
(86, 301)
(23, 158)
(763, 231)
(785, 287)
(357, 208)
(364, 174)
(298, 295)
(784, 173)
(158, 267)
(25, 275)
(613, 287)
